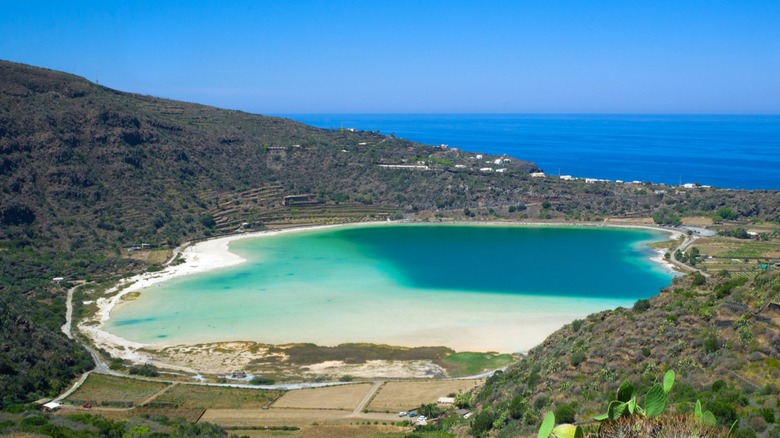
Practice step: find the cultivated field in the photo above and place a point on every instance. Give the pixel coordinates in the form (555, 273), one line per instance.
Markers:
(100, 389)
(208, 397)
(344, 397)
(398, 396)
(270, 417)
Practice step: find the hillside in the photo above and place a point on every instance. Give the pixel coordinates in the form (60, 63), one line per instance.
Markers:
(87, 172)
(721, 335)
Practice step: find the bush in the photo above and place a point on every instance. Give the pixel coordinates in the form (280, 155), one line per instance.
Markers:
(768, 414)
(145, 370)
(711, 344)
(518, 407)
(565, 413)
(698, 279)
(724, 412)
(257, 380)
(577, 358)
(641, 306)
(482, 422)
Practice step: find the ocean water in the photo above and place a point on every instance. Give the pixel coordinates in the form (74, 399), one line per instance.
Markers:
(501, 288)
(739, 152)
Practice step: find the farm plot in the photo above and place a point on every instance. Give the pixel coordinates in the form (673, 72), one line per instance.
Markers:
(399, 396)
(343, 397)
(270, 417)
(210, 397)
(104, 390)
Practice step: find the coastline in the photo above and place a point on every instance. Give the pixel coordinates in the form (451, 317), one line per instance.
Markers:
(215, 253)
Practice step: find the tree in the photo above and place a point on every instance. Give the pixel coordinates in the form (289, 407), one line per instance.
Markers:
(666, 216)
(727, 213)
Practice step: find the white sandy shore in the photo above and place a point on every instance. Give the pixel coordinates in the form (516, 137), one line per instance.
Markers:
(213, 254)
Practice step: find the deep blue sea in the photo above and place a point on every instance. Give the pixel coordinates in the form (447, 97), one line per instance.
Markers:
(739, 152)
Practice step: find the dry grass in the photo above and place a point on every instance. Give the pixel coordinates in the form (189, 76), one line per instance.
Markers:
(697, 221)
(99, 388)
(345, 397)
(397, 396)
(269, 417)
(209, 397)
(158, 256)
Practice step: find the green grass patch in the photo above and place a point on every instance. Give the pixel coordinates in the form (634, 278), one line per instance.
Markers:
(307, 354)
(469, 363)
(102, 389)
(751, 250)
(209, 397)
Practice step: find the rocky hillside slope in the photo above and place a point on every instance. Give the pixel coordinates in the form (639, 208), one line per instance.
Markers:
(721, 335)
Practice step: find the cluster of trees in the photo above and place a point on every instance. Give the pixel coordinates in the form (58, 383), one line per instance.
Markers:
(33, 423)
(691, 257)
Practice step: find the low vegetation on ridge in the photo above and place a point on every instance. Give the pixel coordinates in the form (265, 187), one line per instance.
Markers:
(722, 337)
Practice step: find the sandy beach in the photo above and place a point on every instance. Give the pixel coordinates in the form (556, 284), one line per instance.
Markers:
(213, 254)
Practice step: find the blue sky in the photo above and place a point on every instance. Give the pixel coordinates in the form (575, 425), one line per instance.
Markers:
(415, 56)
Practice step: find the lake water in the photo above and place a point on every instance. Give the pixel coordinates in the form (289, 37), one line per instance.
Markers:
(470, 287)
(740, 152)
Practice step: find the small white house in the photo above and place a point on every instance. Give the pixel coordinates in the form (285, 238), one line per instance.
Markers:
(51, 406)
(537, 175)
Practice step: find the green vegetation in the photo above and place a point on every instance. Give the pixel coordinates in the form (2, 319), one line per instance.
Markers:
(470, 363)
(720, 336)
(33, 423)
(104, 390)
(202, 397)
(626, 414)
(666, 216)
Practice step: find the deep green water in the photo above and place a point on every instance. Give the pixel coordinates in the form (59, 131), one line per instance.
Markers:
(401, 284)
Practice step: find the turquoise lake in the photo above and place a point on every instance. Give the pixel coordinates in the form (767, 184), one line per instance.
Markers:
(499, 288)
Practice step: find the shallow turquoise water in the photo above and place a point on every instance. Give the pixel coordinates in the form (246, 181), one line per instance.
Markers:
(462, 286)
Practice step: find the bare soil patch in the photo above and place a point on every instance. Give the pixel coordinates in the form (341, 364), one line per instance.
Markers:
(398, 396)
(344, 397)
(270, 417)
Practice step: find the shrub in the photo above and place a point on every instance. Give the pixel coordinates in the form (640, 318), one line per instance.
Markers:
(577, 358)
(146, 369)
(518, 407)
(257, 380)
(482, 422)
(711, 344)
(565, 413)
(724, 412)
(641, 306)
(768, 414)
